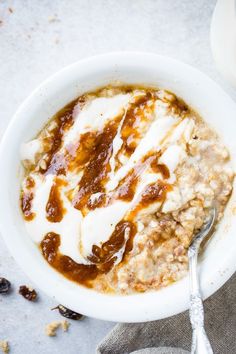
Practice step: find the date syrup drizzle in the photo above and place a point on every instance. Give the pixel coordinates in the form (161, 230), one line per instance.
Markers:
(92, 155)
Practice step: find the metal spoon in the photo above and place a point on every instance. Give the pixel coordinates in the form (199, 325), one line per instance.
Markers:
(200, 341)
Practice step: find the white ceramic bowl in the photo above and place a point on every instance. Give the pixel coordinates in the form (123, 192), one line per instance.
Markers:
(218, 262)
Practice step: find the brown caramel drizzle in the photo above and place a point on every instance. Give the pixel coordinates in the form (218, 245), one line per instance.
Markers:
(29, 182)
(105, 256)
(80, 153)
(134, 116)
(160, 168)
(98, 202)
(127, 186)
(80, 273)
(54, 208)
(95, 172)
(154, 192)
(56, 163)
(164, 170)
(26, 205)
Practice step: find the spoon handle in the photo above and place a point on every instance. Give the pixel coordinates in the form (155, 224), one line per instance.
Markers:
(200, 341)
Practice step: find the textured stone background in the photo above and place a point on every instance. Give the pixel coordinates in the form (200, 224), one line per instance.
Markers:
(38, 37)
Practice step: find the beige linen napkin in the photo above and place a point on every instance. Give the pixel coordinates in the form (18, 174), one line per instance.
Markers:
(175, 332)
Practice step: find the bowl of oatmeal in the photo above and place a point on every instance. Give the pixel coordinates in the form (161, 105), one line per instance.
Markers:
(110, 168)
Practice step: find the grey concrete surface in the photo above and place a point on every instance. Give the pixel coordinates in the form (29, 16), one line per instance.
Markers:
(38, 37)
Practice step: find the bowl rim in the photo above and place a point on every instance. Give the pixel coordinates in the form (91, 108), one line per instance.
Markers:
(104, 306)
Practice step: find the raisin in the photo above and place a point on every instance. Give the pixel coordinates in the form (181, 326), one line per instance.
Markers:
(28, 293)
(65, 312)
(5, 286)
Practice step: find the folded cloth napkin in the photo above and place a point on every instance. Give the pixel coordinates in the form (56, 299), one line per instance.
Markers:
(175, 332)
(162, 350)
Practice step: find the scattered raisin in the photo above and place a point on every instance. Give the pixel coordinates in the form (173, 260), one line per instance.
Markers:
(28, 293)
(68, 313)
(195, 137)
(5, 286)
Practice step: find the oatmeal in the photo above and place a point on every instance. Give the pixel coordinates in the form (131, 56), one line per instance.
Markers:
(51, 328)
(117, 184)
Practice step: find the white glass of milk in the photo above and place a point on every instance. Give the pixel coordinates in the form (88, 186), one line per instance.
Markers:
(223, 39)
